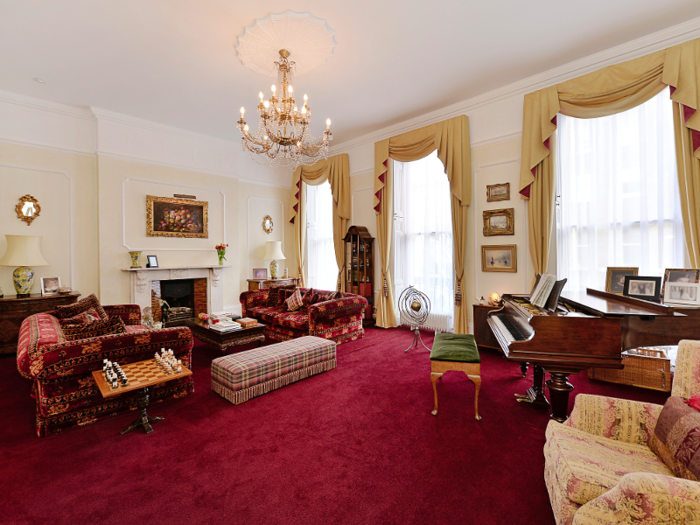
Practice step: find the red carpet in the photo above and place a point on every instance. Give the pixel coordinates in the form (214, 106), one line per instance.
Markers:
(355, 445)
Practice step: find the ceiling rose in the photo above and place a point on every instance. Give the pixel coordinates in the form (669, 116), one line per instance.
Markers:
(308, 39)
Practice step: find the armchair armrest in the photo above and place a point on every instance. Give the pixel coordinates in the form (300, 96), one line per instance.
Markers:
(337, 308)
(130, 313)
(620, 419)
(644, 498)
(83, 356)
(254, 298)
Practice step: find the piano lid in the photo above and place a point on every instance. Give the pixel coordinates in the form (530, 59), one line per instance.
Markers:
(606, 303)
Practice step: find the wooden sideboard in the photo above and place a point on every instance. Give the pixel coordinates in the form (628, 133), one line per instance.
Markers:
(261, 284)
(14, 310)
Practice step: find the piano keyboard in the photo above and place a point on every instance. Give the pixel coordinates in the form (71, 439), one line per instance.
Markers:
(508, 329)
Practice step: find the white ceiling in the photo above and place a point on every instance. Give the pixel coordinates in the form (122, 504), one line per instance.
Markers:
(174, 62)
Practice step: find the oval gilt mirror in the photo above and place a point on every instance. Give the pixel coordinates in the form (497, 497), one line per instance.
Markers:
(28, 209)
(267, 224)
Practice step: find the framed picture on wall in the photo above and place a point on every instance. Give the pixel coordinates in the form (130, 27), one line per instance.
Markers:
(166, 217)
(50, 285)
(259, 273)
(502, 258)
(499, 222)
(498, 192)
(615, 279)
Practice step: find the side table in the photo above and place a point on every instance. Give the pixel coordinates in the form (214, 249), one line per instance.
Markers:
(14, 310)
(260, 284)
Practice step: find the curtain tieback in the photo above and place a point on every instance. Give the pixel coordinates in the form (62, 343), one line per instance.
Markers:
(458, 292)
(385, 285)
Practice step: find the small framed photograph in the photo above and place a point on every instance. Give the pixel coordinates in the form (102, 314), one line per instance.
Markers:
(499, 222)
(682, 293)
(647, 288)
(679, 275)
(615, 280)
(259, 273)
(498, 192)
(151, 261)
(501, 258)
(50, 285)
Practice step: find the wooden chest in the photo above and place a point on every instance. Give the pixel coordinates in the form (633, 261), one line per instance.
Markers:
(14, 310)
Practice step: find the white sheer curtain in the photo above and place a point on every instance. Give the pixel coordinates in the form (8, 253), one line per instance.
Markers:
(423, 236)
(322, 267)
(618, 194)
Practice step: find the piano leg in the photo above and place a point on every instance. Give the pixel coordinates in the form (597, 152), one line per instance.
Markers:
(523, 368)
(535, 394)
(559, 388)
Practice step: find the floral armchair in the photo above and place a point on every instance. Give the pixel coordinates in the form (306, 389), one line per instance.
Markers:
(61, 369)
(601, 466)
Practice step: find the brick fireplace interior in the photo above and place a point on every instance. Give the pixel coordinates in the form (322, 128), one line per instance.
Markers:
(180, 294)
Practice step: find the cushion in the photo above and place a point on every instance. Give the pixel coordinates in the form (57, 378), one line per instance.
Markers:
(587, 466)
(299, 320)
(323, 296)
(695, 402)
(676, 438)
(267, 313)
(90, 316)
(113, 325)
(460, 348)
(295, 301)
(85, 304)
(274, 297)
(309, 297)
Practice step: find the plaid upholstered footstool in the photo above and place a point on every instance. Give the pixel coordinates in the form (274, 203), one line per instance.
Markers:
(245, 375)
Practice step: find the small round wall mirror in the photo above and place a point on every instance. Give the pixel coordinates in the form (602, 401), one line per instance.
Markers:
(28, 209)
(267, 224)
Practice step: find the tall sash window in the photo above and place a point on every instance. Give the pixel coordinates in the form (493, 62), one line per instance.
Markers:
(423, 236)
(322, 266)
(618, 200)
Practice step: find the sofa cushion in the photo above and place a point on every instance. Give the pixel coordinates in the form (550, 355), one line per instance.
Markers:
(37, 331)
(587, 465)
(695, 402)
(294, 301)
(85, 304)
(676, 438)
(113, 325)
(82, 319)
(274, 297)
(298, 319)
(267, 313)
(309, 296)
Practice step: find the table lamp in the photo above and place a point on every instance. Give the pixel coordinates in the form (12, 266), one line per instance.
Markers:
(23, 251)
(273, 252)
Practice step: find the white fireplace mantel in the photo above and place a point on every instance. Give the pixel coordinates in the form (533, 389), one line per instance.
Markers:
(140, 282)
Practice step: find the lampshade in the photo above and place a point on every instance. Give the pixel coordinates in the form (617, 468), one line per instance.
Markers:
(273, 251)
(23, 250)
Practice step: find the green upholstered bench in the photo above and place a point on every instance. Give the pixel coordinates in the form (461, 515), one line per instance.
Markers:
(455, 352)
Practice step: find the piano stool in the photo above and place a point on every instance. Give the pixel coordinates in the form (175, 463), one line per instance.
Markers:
(456, 352)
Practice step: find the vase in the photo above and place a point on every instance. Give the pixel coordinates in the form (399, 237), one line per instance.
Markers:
(274, 266)
(23, 278)
(135, 259)
(222, 256)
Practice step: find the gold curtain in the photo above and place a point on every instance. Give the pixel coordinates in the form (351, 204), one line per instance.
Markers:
(601, 93)
(335, 170)
(451, 139)
(300, 236)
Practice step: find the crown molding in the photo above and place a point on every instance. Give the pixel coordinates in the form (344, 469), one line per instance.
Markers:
(634, 49)
(41, 145)
(46, 105)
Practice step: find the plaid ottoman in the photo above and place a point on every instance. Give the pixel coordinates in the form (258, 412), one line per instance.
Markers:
(245, 375)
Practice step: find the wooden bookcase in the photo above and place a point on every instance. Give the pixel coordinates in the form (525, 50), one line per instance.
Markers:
(359, 267)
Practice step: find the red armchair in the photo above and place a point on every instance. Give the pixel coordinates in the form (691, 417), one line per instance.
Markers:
(65, 392)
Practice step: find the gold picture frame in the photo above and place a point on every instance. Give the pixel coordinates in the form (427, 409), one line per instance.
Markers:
(615, 278)
(499, 222)
(267, 224)
(167, 217)
(27, 209)
(499, 258)
(498, 192)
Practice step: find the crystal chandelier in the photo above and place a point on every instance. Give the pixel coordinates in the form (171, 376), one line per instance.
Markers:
(283, 136)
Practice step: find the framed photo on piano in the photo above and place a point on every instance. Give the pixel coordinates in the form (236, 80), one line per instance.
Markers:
(501, 258)
(647, 288)
(615, 280)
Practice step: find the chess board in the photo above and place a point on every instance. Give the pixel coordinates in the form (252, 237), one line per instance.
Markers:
(141, 374)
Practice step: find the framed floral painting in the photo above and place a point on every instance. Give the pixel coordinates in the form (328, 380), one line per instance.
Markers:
(166, 217)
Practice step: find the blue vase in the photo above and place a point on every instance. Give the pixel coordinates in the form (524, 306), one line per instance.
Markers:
(23, 277)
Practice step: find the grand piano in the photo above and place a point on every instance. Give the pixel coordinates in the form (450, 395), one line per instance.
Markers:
(582, 331)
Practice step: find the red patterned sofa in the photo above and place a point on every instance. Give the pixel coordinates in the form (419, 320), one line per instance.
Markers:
(337, 319)
(65, 392)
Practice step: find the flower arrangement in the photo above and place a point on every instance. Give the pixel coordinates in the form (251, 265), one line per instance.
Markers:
(221, 252)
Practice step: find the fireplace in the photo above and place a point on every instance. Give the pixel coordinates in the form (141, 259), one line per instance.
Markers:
(183, 299)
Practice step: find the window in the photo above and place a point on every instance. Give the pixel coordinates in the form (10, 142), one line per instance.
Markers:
(423, 236)
(322, 266)
(618, 194)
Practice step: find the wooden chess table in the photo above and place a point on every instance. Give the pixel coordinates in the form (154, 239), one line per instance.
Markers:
(225, 340)
(140, 375)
